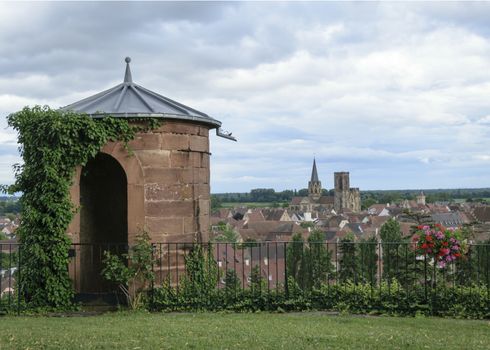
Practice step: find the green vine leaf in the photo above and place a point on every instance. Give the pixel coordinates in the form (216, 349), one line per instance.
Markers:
(53, 143)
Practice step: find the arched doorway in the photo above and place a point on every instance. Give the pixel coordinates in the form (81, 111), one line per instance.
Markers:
(103, 219)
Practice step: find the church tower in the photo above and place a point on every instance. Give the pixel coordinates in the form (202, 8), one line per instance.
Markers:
(314, 186)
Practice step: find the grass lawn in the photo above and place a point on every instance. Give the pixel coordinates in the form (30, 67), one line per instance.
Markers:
(240, 331)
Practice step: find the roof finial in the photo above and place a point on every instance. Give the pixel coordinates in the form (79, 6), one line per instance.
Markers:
(127, 77)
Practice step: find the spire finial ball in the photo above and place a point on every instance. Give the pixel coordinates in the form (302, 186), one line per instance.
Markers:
(127, 59)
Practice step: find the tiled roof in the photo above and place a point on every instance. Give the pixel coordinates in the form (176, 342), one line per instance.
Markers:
(482, 213)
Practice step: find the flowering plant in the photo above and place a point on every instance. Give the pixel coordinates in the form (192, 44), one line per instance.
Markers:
(443, 244)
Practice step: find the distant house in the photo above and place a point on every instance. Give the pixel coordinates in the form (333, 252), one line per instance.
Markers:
(379, 210)
(267, 257)
(454, 219)
(482, 214)
(276, 215)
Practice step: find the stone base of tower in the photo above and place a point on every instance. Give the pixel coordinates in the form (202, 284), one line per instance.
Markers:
(168, 193)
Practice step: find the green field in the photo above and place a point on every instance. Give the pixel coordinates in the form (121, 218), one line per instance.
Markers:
(241, 331)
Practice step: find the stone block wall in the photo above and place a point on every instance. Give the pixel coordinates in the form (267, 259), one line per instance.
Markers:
(168, 183)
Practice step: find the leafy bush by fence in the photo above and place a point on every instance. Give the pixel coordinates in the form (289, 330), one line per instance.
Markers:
(367, 277)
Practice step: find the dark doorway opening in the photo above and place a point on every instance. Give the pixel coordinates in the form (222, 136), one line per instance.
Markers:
(103, 220)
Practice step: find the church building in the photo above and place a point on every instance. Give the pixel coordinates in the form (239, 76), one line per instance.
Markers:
(344, 199)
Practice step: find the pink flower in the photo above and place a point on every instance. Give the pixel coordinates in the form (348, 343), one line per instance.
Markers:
(442, 264)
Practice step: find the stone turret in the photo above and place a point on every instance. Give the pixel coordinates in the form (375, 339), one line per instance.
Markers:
(161, 186)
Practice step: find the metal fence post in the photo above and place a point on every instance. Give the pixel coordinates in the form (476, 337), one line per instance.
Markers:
(286, 287)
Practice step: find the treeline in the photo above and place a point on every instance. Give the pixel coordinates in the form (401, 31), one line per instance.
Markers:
(261, 195)
(9, 205)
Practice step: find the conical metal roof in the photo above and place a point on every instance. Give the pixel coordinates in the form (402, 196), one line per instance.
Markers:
(314, 173)
(130, 100)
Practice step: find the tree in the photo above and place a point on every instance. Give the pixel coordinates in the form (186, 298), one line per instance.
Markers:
(256, 280)
(303, 192)
(201, 273)
(232, 283)
(368, 260)
(391, 238)
(348, 263)
(308, 264)
(132, 271)
(366, 203)
(227, 235)
(215, 203)
(390, 231)
(319, 260)
(294, 255)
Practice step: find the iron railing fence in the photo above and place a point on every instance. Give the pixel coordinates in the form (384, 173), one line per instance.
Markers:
(314, 264)
(309, 265)
(10, 261)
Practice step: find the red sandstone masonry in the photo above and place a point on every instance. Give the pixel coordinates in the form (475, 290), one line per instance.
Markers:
(175, 142)
(157, 225)
(166, 209)
(179, 159)
(169, 176)
(168, 179)
(205, 160)
(158, 192)
(147, 141)
(154, 158)
(203, 131)
(179, 128)
(199, 143)
(195, 159)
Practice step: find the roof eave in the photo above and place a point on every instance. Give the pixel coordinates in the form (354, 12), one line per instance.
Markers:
(204, 120)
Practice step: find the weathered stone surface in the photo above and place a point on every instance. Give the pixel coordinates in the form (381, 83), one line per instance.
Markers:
(195, 159)
(199, 143)
(204, 131)
(203, 206)
(179, 159)
(109, 147)
(203, 191)
(146, 141)
(205, 160)
(185, 238)
(136, 210)
(167, 209)
(158, 225)
(175, 142)
(168, 176)
(190, 224)
(158, 192)
(168, 180)
(201, 175)
(154, 158)
(179, 128)
(204, 223)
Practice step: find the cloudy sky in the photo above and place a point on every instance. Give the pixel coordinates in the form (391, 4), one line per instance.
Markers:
(398, 94)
